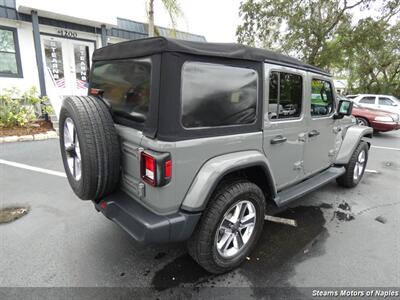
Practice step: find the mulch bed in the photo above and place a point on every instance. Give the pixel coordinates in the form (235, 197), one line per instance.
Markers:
(39, 126)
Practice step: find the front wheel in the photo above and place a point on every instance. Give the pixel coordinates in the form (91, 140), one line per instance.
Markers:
(229, 228)
(362, 121)
(356, 167)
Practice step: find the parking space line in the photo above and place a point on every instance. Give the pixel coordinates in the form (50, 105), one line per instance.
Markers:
(387, 148)
(32, 168)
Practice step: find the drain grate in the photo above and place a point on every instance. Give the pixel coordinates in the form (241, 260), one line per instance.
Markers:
(10, 214)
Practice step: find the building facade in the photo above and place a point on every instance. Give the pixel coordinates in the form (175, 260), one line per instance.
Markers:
(53, 51)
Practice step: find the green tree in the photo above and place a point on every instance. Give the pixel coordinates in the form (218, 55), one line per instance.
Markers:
(374, 57)
(302, 28)
(323, 33)
(173, 9)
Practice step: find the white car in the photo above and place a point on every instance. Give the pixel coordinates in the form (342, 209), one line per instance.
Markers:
(381, 102)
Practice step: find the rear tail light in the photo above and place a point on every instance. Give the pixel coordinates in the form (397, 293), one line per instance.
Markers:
(148, 168)
(168, 169)
(103, 204)
(156, 168)
(96, 92)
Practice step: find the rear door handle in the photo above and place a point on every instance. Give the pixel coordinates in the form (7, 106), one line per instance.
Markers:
(313, 133)
(278, 139)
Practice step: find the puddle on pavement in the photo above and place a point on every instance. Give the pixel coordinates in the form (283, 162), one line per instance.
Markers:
(325, 205)
(344, 206)
(159, 255)
(270, 263)
(281, 246)
(182, 270)
(10, 214)
(343, 212)
(343, 216)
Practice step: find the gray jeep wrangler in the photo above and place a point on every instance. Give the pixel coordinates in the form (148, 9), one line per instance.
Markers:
(182, 140)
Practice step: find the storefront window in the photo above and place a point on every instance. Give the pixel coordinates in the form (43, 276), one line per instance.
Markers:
(10, 64)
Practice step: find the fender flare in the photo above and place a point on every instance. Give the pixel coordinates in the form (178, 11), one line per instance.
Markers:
(212, 172)
(353, 136)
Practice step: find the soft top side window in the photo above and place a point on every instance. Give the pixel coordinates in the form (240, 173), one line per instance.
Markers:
(285, 95)
(322, 102)
(216, 95)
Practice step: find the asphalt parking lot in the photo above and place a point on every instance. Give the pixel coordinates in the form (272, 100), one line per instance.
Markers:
(64, 242)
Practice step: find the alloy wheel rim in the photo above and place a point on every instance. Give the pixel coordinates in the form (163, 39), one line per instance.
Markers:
(72, 149)
(235, 229)
(359, 166)
(361, 122)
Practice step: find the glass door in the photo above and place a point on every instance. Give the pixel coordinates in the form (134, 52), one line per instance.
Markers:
(55, 63)
(68, 63)
(81, 57)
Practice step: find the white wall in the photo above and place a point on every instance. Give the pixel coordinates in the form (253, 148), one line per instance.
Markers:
(28, 57)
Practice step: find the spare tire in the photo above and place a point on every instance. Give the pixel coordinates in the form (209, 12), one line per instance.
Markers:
(90, 147)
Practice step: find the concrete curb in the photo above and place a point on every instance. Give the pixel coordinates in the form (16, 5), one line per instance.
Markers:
(31, 137)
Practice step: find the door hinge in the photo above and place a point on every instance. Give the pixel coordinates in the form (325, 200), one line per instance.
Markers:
(332, 152)
(302, 137)
(298, 165)
(337, 129)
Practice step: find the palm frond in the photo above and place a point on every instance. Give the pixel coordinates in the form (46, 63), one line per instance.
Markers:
(174, 11)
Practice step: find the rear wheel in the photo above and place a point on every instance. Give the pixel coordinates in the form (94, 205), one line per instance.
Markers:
(89, 147)
(356, 167)
(229, 228)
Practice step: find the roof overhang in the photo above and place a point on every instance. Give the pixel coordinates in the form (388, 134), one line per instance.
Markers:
(95, 21)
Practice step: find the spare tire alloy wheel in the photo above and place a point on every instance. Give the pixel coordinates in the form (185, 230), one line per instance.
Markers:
(72, 149)
(236, 229)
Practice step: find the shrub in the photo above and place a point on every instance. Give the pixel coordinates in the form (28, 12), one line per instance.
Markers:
(17, 109)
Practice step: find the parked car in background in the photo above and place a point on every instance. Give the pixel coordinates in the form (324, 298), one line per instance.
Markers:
(379, 120)
(382, 102)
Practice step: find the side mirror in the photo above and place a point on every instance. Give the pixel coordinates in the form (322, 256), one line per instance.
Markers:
(394, 104)
(345, 108)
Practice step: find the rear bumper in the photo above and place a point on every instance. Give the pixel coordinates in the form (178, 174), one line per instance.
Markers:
(144, 225)
(385, 126)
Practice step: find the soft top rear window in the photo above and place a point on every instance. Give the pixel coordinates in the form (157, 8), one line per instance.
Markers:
(125, 84)
(218, 95)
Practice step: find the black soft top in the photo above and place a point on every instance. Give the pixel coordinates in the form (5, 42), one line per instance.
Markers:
(155, 45)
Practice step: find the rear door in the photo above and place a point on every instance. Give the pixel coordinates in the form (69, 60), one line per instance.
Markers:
(387, 104)
(323, 132)
(284, 123)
